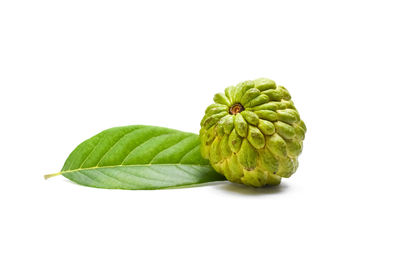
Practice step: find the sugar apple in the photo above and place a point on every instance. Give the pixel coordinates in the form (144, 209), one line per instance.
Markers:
(252, 133)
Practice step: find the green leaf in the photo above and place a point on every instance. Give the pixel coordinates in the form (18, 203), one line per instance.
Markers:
(139, 157)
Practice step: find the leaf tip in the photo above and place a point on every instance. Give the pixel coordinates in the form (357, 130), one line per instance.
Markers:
(47, 176)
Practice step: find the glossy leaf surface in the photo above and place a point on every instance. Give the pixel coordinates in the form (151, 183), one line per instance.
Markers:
(139, 157)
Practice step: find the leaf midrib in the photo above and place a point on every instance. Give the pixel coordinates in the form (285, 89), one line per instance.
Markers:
(133, 165)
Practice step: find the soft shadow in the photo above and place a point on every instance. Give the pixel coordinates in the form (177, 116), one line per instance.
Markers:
(247, 190)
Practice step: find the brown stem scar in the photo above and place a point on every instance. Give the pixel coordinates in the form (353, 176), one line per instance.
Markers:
(236, 108)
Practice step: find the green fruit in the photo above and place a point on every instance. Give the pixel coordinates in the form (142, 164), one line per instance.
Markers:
(253, 134)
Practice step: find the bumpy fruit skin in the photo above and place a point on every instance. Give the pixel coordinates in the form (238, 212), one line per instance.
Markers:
(253, 134)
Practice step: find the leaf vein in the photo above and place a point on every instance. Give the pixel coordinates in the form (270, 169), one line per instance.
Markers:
(168, 148)
(141, 177)
(95, 181)
(89, 154)
(196, 145)
(116, 178)
(182, 169)
(127, 156)
(183, 177)
(115, 145)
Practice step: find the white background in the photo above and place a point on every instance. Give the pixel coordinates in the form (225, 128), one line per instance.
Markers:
(70, 69)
